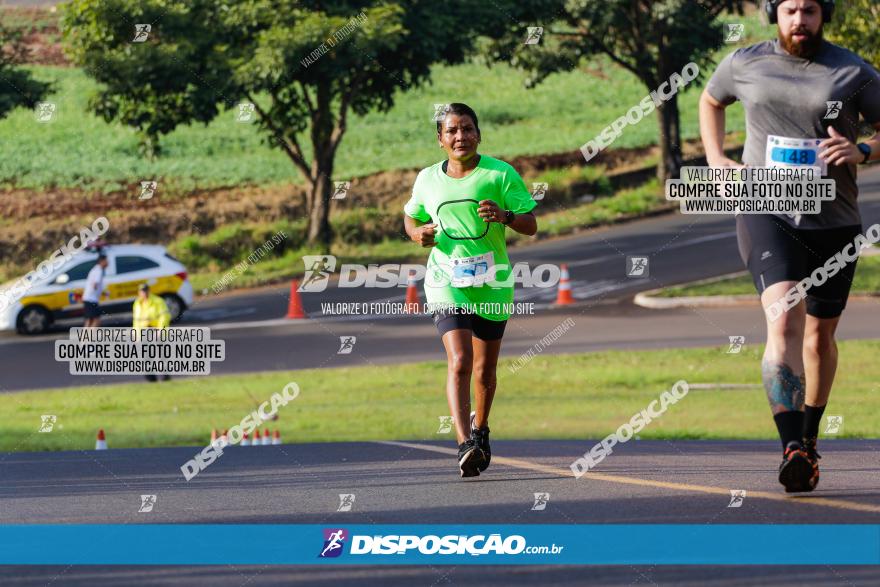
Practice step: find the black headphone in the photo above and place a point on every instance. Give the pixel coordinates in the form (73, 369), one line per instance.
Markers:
(771, 6)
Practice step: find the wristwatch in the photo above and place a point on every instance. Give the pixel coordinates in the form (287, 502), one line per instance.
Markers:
(865, 149)
(508, 217)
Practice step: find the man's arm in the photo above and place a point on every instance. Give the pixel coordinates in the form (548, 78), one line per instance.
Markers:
(97, 285)
(874, 143)
(164, 319)
(103, 284)
(838, 150)
(712, 127)
(136, 318)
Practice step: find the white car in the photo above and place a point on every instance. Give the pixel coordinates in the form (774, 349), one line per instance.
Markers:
(59, 296)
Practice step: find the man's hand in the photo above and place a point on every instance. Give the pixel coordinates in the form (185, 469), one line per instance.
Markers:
(424, 235)
(489, 211)
(838, 150)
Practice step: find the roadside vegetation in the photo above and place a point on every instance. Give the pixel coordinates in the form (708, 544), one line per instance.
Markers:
(592, 394)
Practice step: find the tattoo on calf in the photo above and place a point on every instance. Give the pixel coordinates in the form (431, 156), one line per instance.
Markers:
(785, 389)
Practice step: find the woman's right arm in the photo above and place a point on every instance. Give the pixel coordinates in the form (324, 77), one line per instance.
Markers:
(419, 232)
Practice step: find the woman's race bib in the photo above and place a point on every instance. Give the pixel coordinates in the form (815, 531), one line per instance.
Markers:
(471, 271)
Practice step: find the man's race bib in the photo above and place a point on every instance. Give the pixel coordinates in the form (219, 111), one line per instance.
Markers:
(471, 271)
(788, 152)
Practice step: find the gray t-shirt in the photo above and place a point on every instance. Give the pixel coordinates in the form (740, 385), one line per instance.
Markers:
(787, 96)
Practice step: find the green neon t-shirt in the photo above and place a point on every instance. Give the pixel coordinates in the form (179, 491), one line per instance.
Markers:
(470, 253)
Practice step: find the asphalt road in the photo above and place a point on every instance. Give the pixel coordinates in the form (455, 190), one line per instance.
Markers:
(413, 576)
(652, 482)
(680, 249)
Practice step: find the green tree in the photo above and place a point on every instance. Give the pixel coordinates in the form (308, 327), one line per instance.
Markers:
(17, 86)
(652, 39)
(304, 65)
(855, 26)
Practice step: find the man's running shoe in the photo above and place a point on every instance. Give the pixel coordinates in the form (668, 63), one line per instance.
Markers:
(481, 437)
(813, 456)
(796, 471)
(469, 458)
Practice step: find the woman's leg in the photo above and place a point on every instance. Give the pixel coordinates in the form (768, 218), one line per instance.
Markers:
(485, 363)
(459, 361)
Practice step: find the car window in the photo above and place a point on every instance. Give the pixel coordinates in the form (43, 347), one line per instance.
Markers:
(80, 271)
(132, 263)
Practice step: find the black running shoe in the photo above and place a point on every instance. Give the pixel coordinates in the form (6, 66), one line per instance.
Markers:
(813, 456)
(469, 458)
(481, 437)
(796, 470)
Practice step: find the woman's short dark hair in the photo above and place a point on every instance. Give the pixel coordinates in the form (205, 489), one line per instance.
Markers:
(461, 110)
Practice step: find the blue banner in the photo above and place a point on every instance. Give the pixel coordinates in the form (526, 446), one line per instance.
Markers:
(395, 544)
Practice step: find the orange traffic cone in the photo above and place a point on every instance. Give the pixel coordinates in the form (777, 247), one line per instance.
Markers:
(563, 296)
(412, 295)
(101, 443)
(277, 438)
(213, 436)
(244, 440)
(224, 438)
(267, 438)
(294, 308)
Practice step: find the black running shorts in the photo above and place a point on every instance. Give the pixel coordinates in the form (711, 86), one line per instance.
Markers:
(775, 251)
(481, 328)
(91, 310)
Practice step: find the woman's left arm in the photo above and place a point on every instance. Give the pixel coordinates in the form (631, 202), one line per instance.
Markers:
(524, 223)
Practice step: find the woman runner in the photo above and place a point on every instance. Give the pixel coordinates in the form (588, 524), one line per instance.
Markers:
(461, 208)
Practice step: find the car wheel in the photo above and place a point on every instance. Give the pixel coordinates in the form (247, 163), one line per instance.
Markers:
(33, 320)
(175, 306)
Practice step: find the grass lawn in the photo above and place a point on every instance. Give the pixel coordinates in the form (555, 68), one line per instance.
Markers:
(582, 396)
(88, 153)
(866, 281)
(81, 150)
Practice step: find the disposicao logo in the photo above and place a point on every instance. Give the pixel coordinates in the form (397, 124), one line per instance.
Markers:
(334, 541)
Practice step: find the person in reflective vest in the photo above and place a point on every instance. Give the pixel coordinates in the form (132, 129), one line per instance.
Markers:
(150, 311)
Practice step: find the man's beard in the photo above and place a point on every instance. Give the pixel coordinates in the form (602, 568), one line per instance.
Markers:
(806, 48)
